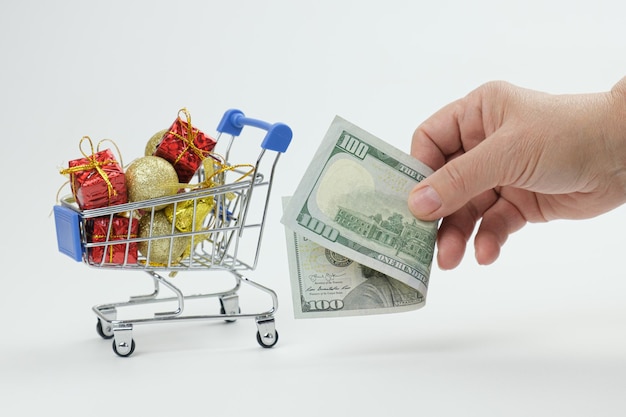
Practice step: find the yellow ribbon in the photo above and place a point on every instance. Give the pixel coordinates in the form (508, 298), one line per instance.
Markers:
(94, 164)
(119, 154)
(190, 139)
(211, 175)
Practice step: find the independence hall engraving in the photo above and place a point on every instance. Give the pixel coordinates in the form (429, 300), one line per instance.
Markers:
(393, 232)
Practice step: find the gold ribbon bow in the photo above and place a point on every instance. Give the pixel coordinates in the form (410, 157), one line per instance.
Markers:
(190, 139)
(94, 163)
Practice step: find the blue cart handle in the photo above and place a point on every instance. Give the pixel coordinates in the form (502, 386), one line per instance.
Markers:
(278, 135)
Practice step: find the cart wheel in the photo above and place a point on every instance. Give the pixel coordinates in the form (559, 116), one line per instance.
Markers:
(105, 334)
(268, 340)
(223, 311)
(125, 352)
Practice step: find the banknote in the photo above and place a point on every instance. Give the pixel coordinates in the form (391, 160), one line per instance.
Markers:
(327, 284)
(352, 200)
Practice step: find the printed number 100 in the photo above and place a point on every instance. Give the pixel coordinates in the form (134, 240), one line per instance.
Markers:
(318, 227)
(353, 145)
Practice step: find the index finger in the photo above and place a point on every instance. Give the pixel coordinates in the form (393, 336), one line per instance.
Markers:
(437, 137)
(453, 129)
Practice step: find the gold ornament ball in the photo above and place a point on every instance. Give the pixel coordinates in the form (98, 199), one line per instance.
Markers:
(154, 141)
(150, 177)
(160, 248)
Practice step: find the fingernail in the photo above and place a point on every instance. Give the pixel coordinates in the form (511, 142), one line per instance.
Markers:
(424, 201)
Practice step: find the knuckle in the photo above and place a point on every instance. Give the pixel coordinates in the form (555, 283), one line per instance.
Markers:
(456, 178)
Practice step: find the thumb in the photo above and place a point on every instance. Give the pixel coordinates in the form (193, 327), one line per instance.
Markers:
(455, 184)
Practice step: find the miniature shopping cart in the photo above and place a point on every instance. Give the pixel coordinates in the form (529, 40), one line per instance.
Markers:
(225, 236)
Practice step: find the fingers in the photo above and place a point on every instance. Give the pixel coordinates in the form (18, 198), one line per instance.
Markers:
(456, 183)
(437, 138)
(454, 143)
(498, 217)
(498, 222)
(464, 146)
(452, 240)
(456, 127)
(456, 230)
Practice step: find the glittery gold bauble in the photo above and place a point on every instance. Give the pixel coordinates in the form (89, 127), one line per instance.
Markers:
(154, 142)
(160, 248)
(150, 177)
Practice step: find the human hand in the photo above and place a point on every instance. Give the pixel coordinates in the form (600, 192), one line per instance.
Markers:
(505, 156)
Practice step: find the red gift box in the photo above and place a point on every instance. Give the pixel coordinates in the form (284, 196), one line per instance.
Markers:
(184, 146)
(98, 230)
(97, 180)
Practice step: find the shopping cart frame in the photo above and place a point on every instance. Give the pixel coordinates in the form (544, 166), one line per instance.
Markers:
(214, 246)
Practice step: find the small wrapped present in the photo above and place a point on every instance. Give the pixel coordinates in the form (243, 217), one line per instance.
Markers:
(185, 147)
(121, 229)
(97, 180)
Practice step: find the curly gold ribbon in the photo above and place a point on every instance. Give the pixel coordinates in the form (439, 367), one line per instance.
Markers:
(212, 175)
(223, 168)
(119, 154)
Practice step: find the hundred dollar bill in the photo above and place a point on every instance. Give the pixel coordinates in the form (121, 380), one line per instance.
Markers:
(327, 284)
(352, 200)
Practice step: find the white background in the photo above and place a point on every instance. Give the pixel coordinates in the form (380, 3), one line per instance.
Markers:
(540, 333)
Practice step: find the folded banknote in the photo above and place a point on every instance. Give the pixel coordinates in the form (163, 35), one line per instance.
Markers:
(351, 204)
